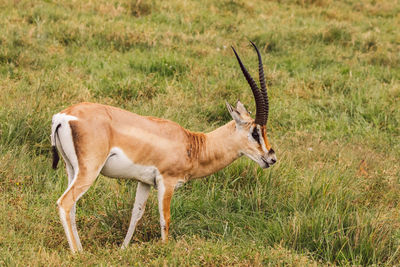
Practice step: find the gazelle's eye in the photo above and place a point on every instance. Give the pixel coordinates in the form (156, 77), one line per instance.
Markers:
(255, 135)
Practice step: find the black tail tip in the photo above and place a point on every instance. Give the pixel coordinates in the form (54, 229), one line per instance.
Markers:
(56, 158)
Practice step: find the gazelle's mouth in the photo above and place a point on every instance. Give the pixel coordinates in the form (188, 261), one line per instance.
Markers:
(266, 164)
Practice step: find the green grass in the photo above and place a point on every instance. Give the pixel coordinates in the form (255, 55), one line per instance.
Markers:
(333, 71)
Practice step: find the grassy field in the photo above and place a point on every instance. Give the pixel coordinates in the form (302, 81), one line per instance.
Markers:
(333, 71)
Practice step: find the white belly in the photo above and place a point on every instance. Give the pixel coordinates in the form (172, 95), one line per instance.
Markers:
(118, 165)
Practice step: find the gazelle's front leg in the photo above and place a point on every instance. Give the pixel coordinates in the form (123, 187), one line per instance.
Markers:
(165, 191)
(142, 193)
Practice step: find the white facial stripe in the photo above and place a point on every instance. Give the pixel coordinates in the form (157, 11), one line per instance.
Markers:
(249, 135)
(264, 148)
(257, 155)
(251, 138)
(118, 165)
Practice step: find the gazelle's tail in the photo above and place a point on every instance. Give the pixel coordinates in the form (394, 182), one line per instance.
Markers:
(53, 137)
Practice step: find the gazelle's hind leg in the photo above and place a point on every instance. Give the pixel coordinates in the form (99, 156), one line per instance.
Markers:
(84, 158)
(66, 204)
(71, 175)
(142, 193)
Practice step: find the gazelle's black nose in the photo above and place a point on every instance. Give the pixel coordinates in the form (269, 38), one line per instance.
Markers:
(271, 156)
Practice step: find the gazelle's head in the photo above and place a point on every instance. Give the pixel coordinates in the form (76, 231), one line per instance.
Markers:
(253, 132)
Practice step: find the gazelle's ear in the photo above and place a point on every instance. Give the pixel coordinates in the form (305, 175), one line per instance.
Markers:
(236, 115)
(241, 108)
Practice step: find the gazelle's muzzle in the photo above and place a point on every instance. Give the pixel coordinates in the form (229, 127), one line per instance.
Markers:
(269, 159)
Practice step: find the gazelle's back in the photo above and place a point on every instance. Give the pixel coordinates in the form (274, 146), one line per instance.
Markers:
(123, 120)
(144, 139)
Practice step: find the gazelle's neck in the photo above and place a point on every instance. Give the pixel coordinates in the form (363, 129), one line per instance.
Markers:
(220, 148)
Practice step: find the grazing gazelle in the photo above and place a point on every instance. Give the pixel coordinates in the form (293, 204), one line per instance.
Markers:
(94, 138)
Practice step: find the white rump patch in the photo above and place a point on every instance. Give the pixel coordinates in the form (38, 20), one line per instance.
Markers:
(64, 142)
(118, 165)
(59, 118)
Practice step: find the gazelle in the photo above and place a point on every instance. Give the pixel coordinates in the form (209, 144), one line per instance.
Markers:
(94, 138)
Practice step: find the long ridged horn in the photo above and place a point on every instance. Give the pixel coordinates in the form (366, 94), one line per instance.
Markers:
(260, 104)
(262, 82)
